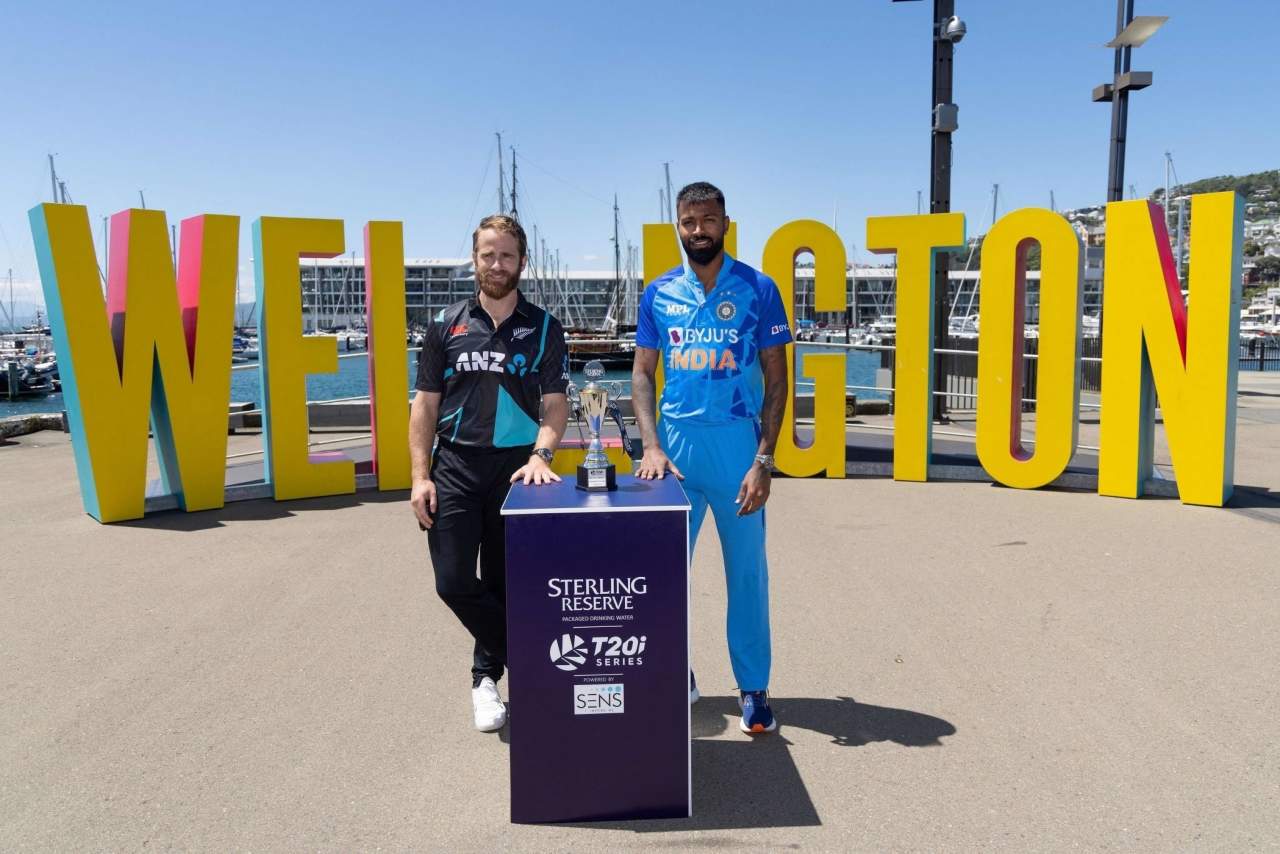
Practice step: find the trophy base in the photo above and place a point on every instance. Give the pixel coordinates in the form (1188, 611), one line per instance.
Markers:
(598, 478)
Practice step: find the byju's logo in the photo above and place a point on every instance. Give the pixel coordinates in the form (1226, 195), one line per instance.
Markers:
(569, 652)
(676, 338)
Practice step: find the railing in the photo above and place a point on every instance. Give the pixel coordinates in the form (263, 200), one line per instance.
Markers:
(1259, 354)
(959, 364)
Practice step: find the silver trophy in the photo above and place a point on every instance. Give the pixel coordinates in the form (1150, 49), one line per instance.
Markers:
(591, 403)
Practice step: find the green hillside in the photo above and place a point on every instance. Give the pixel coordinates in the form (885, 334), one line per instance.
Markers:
(1258, 186)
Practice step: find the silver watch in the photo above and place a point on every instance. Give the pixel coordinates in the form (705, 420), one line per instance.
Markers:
(546, 453)
(765, 460)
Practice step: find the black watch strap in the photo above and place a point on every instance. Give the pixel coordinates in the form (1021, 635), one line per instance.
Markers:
(546, 453)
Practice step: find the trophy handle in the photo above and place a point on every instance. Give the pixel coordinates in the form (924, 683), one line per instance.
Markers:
(575, 411)
(615, 412)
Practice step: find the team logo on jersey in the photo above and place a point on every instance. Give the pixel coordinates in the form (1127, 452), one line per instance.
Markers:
(517, 365)
(726, 310)
(521, 333)
(481, 360)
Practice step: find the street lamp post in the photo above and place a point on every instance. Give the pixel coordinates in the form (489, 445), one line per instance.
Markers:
(1131, 32)
(947, 30)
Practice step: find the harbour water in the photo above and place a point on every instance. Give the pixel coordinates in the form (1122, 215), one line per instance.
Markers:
(352, 380)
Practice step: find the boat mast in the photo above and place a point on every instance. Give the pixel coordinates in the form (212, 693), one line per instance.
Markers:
(514, 209)
(502, 178)
(617, 269)
(666, 168)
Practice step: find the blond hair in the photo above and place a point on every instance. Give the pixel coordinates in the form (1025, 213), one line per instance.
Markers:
(502, 224)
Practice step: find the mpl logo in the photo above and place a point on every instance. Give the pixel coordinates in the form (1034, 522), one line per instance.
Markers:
(677, 309)
(607, 699)
(568, 653)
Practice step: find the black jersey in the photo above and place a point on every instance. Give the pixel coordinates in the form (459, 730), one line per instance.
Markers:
(491, 381)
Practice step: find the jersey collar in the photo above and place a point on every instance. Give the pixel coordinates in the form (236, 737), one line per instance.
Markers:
(692, 280)
(524, 308)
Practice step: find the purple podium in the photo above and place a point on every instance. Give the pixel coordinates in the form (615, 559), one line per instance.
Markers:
(598, 651)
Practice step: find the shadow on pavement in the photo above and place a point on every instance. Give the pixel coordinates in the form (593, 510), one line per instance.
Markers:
(727, 773)
(1254, 496)
(264, 509)
(844, 720)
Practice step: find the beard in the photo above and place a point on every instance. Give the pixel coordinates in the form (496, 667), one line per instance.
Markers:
(705, 253)
(497, 285)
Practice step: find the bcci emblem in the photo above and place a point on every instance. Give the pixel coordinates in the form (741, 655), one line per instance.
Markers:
(569, 652)
(726, 310)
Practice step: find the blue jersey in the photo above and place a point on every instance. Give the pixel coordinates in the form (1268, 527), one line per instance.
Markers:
(710, 342)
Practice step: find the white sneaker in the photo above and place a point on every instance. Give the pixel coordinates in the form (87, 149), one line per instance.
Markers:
(490, 713)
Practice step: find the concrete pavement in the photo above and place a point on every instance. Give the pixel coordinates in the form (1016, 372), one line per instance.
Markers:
(958, 666)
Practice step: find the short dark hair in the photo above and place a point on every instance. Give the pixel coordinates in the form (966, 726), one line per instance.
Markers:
(699, 191)
(502, 224)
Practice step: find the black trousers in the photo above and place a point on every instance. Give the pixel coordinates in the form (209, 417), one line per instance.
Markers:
(471, 484)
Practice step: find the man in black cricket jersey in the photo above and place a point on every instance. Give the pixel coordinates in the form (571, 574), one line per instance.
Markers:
(486, 364)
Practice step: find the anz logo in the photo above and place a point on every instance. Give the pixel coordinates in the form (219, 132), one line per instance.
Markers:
(481, 360)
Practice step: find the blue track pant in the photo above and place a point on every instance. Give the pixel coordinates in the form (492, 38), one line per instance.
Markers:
(713, 459)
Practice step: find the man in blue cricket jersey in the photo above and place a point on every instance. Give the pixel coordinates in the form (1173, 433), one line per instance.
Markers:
(720, 329)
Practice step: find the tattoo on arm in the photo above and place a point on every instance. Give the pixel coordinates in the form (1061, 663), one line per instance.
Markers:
(643, 402)
(773, 362)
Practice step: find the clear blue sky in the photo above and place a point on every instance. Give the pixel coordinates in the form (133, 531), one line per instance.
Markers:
(387, 110)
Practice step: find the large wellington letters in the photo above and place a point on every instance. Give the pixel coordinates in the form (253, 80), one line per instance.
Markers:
(170, 363)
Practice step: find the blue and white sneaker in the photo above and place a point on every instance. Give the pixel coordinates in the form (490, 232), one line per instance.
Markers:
(694, 695)
(757, 717)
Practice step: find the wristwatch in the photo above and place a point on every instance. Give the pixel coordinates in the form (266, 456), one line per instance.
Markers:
(765, 460)
(546, 453)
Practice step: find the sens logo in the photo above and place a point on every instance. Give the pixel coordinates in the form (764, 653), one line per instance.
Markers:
(608, 699)
(460, 329)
